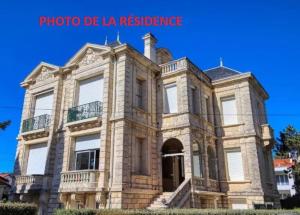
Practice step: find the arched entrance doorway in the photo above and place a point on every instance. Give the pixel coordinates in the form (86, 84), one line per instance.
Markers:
(172, 164)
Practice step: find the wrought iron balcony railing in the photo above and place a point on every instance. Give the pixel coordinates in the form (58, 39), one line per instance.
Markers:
(85, 111)
(36, 123)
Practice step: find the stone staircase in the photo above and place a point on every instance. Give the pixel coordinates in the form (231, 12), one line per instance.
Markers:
(159, 202)
(176, 199)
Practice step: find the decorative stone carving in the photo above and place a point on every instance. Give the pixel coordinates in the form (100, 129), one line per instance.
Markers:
(90, 57)
(45, 74)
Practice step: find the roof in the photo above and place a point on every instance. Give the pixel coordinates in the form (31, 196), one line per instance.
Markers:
(283, 162)
(220, 72)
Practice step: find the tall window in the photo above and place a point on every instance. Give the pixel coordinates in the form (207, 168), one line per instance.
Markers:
(43, 104)
(170, 101)
(212, 163)
(235, 165)
(194, 99)
(207, 106)
(229, 111)
(139, 93)
(90, 90)
(37, 157)
(140, 157)
(87, 150)
(197, 161)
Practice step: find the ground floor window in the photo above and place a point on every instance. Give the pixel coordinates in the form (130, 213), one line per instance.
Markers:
(282, 179)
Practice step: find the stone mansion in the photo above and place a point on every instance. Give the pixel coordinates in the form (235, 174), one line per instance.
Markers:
(116, 128)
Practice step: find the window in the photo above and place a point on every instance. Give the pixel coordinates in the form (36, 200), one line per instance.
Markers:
(170, 101)
(43, 104)
(87, 150)
(207, 106)
(139, 93)
(37, 159)
(90, 90)
(212, 163)
(235, 166)
(195, 102)
(239, 204)
(282, 180)
(140, 157)
(229, 111)
(197, 162)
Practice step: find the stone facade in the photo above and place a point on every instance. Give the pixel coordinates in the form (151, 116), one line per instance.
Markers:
(123, 123)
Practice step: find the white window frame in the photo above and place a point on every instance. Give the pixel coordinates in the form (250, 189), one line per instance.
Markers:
(89, 151)
(79, 82)
(235, 150)
(234, 115)
(45, 147)
(48, 110)
(165, 94)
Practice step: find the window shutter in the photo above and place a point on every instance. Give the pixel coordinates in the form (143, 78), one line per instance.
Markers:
(37, 159)
(229, 111)
(87, 142)
(235, 166)
(171, 99)
(43, 104)
(90, 90)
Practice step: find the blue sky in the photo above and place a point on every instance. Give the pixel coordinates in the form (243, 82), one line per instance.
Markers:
(258, 36)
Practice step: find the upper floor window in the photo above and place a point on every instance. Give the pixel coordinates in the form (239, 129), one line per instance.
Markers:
(282, 180)
(87, 150)
(235, 165)
(140, 157)
(139, 93)
(90, 90)
(37, 157)
(194, 100)
(170, 98)
(207, 107)
(43, 104)
(229, 111)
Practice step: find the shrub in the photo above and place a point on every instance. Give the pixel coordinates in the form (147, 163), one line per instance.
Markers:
(17, 208)
(175, 212)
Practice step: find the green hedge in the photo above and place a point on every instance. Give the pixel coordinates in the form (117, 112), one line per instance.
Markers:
(17, 209)
(175, 212)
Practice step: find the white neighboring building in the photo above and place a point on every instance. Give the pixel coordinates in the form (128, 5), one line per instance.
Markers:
(285, 183)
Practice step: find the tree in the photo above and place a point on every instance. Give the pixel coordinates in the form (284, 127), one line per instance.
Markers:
(288, 141)
(289, 144)
(4, 124)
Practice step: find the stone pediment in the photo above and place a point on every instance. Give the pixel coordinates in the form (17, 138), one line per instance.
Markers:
(89, 54)
(43, 71)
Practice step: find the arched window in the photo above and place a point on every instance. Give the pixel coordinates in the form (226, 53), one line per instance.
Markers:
(197, 161)
(212, 163)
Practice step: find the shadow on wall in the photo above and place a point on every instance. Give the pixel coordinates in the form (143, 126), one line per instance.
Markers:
(224, 187)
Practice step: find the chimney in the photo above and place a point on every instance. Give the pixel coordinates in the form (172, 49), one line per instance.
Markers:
(149, 46)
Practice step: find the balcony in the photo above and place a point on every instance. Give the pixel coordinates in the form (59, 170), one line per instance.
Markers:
(30, 183)
(86, 111)
(36, 123)
(79, 181)
(183, 64)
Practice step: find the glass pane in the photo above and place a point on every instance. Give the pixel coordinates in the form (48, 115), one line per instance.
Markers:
(82, 160)
(97, 159)
(92, 160)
